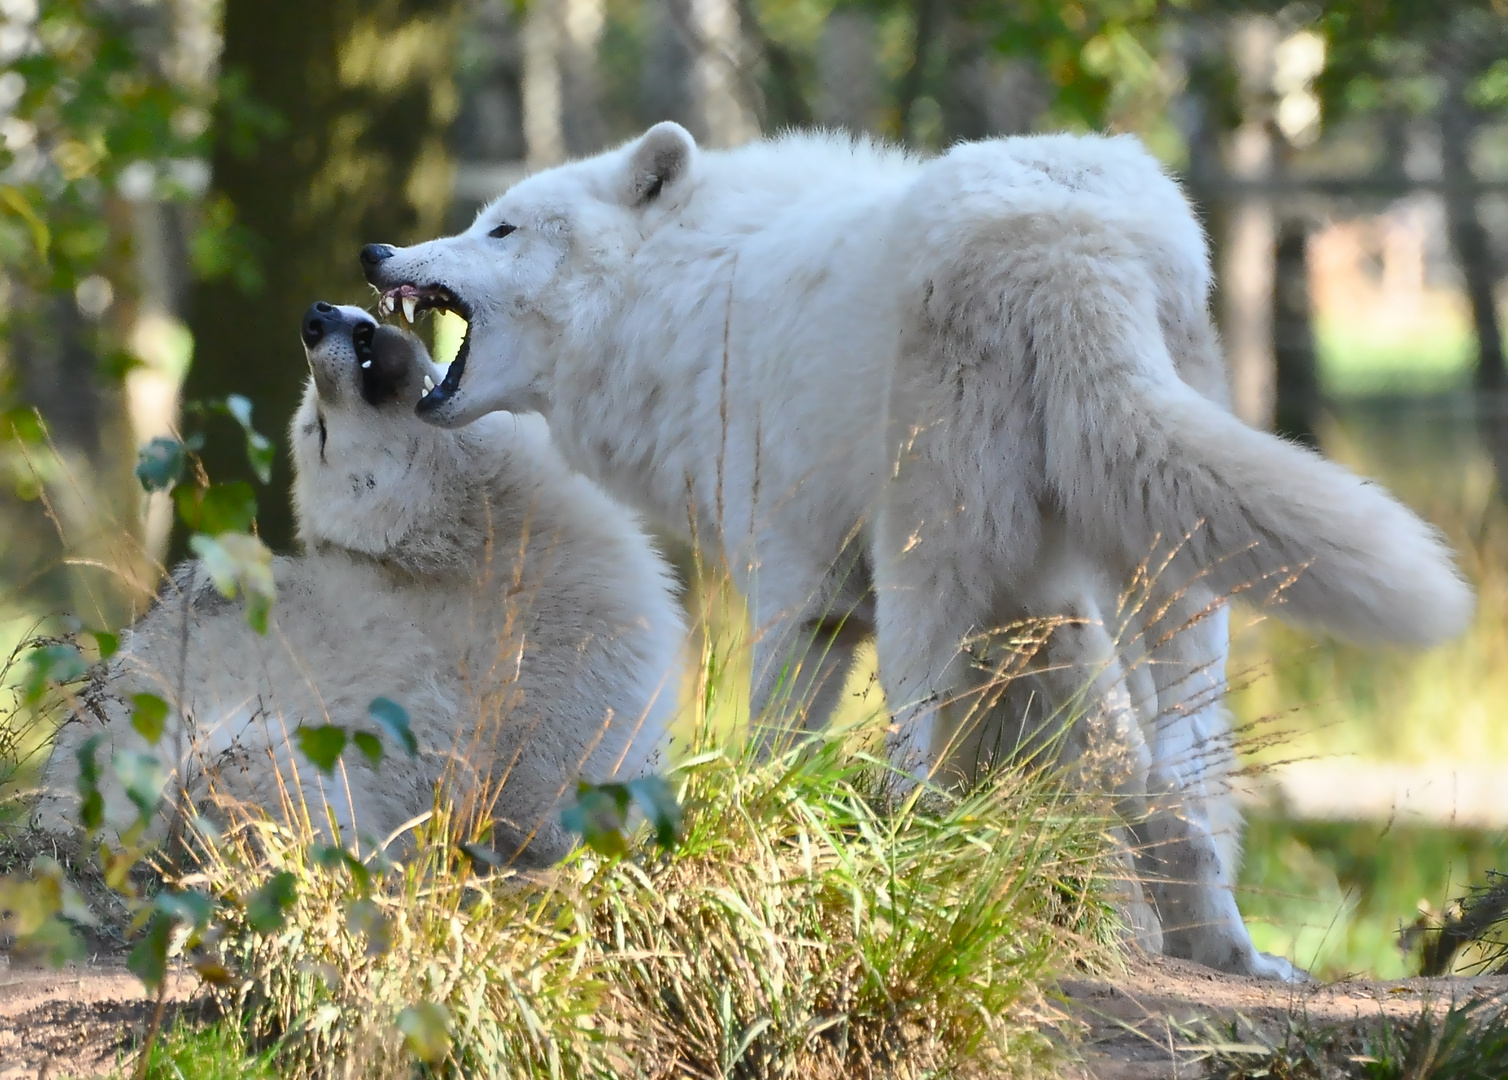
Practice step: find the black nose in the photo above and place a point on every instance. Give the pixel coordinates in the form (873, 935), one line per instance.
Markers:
(317, 321)
(372, 256)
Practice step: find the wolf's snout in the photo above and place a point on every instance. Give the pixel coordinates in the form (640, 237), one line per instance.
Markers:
(317, 321)
(372, 256)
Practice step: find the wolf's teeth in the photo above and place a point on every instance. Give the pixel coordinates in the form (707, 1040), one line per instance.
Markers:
(365, 364)
(429, 384)
(410, 308)
(385, 305)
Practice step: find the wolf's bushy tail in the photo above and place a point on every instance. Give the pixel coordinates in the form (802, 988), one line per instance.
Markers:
(1140, 460)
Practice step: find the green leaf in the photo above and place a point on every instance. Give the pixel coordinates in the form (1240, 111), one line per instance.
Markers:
(481, 854)
(15, 200)
(260, 453)
(239, 406)
(71, 903)
(107, 643)
(149, 716)
(89, 770)
(322, 745)
(55, 941)
(27, 903)
(92, 810)
(143, 778)
(51, 664)
(259, 449)
(426, 1031)
(148, 960)
(268, 906)
(160, 464)
(190, 908)
(370, 745)
(92, 803)
(655, 797)
(240, 563)
(393, 719)
(600, 816)
(218, 508)
(24, 424)
(331, 857)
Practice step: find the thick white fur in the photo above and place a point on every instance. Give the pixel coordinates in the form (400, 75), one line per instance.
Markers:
(520, 615)
(986, 384)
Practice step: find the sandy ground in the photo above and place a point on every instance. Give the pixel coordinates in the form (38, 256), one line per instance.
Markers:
(77, 1022)
(1149, 1023)
(1143, 1025)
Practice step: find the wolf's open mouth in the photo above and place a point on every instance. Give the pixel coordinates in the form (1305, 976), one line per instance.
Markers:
(412, 300)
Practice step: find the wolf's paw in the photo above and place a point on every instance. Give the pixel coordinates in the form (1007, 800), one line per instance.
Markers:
(1267, 966)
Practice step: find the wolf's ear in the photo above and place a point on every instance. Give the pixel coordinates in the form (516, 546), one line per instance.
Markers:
(660, 159)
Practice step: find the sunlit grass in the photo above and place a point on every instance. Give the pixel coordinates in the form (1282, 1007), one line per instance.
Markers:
(1359, 357)
(1334, 895)
(803, 926)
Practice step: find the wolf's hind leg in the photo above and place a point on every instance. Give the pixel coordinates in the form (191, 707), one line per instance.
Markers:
(807, 627)
(1190, 853)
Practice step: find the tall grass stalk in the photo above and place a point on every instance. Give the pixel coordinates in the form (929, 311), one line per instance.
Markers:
(803, 926)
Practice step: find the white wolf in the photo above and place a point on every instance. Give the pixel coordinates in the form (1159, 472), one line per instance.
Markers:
(521, 617)
(926, 398)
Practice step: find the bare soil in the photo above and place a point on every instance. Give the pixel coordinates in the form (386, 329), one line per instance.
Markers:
(1152, 1022)
(81, 1021)
(1147, 1023)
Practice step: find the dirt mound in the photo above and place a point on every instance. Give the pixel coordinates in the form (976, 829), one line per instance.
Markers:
(1151, 1022)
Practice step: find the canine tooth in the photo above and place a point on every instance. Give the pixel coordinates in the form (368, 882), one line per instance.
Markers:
(410, 307)
(429, 384)
(366, 364)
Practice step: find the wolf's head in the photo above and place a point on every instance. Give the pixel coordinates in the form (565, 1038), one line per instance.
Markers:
(369, 475)
(547, 252)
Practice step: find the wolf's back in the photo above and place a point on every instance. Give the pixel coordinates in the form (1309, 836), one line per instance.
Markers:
(1085, 292)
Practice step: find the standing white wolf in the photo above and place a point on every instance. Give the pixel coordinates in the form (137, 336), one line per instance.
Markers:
(927, 398)
(521, 617)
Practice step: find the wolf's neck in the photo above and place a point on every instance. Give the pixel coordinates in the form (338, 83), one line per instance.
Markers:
(638, 396)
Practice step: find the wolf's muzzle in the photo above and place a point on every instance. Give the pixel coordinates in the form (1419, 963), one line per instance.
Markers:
(318, 320)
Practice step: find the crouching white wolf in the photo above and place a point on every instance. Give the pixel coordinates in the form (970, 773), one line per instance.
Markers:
(926, 399)
(520, 616)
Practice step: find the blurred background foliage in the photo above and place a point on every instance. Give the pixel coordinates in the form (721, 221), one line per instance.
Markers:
(180, 178)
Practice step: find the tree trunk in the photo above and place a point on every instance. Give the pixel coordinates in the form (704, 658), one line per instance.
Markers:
(1473, 254)
(364, 93)
(1246, 286)
(698, 72)
(928, 15)
(848, 72)
(562, 114)
(1467, 237)
(1297, 408)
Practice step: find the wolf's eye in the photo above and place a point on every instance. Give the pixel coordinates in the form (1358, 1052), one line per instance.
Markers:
(502, 230)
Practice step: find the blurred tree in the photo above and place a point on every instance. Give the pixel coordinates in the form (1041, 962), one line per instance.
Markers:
(698, 70)
(1297, 397)
(1438, 65)
(100, 105)
(848, 94)
(343, 145)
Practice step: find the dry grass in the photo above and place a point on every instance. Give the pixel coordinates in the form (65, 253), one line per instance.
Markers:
(803, 926)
